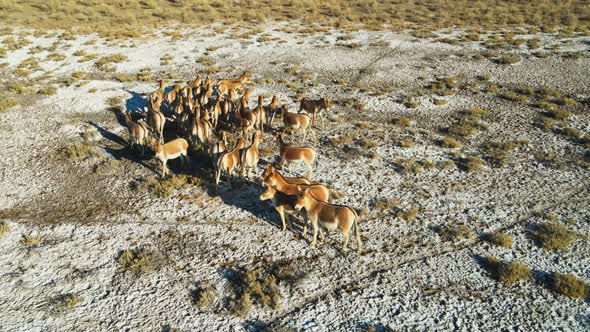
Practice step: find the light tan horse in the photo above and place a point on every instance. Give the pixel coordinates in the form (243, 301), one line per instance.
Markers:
(329, 216)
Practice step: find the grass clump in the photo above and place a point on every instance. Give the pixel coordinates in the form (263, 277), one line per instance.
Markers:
(6, 102)
(135, 260)
(508, 59)
(455, 232)
(463, 129)
(165, 188)
(559, 114)
(444, 86)
(406, 143)
(569, 285)
(477, 112)
(553, 236)
(403, 122)
(411, 102)
(387, 203)
(78, 75)
(499, 153)
(204, 296)
(513, 96)
(506, 272)
(451, 143)
(55, 56)
(47, 90)
(472, 163)
(32, 241)
(69, 301)
(78, 151)
(367, 143)
(104, 62)
(255, 286)
(439, 101)
(4, 229)
(499, 239)
(409, 214)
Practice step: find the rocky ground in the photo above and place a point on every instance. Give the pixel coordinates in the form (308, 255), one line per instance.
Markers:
(378, 152)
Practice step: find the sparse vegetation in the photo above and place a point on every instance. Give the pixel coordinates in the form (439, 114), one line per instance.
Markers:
(135, 260)
(204, 296)
(165, 188)
(68, 301)
(450, 142)
(513, 96)
(387, 203)
(409, 215)
(444, 86)
(455, 232)
(32, 241)
(78, 151)
(559, 114)
(507, 272)
(553, 236)
(508, 59)
(258, 285)
(472, 163)
(569, 285)
(500, 239)
(47, 90)
(104, 62)
(6, 102)
(4, 228)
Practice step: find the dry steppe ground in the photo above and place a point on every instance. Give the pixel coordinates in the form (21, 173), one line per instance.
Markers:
(466, 153)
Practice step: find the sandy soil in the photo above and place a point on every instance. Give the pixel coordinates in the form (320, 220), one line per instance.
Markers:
(408, 278)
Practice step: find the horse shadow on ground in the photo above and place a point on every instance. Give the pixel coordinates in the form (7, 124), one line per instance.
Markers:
(125, 152)
(244, 194)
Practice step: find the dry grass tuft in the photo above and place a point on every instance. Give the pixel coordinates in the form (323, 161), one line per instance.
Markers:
(165, 188)
(258, 285)
(500, 239)
(47, 90)
(32, 241)
(455, 232)
(553, 236)
(450, 142)
(387, 203)
(508, 59)
(569, 285)
(4, 228)
(471, 163)
(444, 86)
(69, 301)
(135, 260)
(78, 151)
(508, 273)
(6, 102)
(513, 96)
(204, 296)
(409, 215)
(105, 62)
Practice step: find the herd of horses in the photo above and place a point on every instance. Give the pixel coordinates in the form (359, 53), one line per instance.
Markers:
(201, 108)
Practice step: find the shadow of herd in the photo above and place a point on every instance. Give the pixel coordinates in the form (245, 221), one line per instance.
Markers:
(202, 108)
